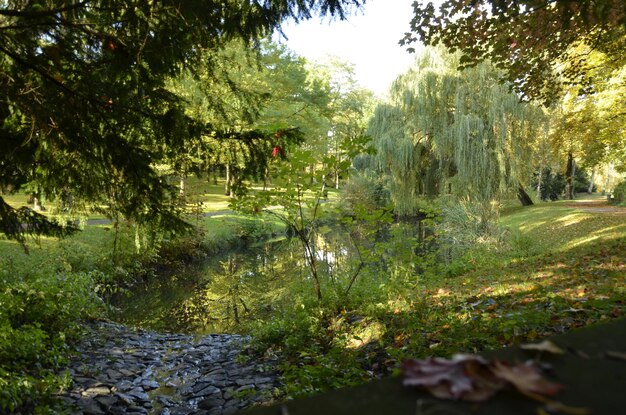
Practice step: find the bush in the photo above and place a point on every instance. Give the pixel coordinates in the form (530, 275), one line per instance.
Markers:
(619, 194)
(581, 181)
(552, 184)
(364, 192)
(38, 319)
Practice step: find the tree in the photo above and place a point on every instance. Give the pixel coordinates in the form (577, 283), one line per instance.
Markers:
(451, 131)
(528, 39)
(85, 98)
(588, 127)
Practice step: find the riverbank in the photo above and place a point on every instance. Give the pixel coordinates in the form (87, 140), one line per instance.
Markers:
(121, 370)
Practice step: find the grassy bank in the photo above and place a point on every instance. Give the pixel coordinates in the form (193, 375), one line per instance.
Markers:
(47, 293)
(558, 267)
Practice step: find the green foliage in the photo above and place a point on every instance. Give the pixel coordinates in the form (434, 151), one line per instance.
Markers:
(502, 31)
(552, 184)
(363, 191)
(619, 193)
(547, 275)
(451, 131)
(109, 65)
(468, 228)
(40, 311)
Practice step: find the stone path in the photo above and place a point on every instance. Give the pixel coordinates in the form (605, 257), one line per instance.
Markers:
(120, 370)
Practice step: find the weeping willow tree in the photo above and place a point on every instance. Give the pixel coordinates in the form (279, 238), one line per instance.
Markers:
(451, 131)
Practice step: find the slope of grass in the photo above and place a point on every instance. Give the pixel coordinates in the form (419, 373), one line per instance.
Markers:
(562, 268)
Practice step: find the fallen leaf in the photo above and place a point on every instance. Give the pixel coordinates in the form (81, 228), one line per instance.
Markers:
(433, 373)
(526, 378)
(544, 346)
(466, 377)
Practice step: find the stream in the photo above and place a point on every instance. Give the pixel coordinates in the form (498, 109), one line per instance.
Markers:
(226, 292)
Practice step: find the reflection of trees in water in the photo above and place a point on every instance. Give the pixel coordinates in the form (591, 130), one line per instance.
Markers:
(242, 288)
(230, 292)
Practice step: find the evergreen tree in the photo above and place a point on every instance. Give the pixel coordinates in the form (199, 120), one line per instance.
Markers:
(85, 102)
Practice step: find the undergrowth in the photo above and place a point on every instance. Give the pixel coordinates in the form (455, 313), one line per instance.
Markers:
(549, 269)
(47, 293)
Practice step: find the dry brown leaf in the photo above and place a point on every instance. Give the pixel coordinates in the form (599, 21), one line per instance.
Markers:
(465, 377)
(544, 346)
(526, 378)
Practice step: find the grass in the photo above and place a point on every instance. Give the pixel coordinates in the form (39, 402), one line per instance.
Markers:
(565, 268)
(561, 267)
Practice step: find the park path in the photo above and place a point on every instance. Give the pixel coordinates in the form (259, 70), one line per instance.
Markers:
(205, 214)
(597, 206)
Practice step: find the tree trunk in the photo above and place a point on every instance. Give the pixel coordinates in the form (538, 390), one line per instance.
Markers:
(214, 170)
(227, 182)
(569, 177)
(36, 204)
(181, 187)
(591, 180)
(607, 181)
(523, 197)
(539, 176)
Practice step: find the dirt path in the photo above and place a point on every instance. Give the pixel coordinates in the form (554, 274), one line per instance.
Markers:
(597, 206)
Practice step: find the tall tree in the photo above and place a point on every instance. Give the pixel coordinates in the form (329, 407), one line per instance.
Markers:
(454, 131)
(84, 92)
(588, 126)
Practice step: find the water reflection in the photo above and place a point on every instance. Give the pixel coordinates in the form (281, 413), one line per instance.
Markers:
(229, 291)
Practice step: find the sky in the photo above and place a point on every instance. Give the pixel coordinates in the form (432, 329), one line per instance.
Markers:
(368, 39)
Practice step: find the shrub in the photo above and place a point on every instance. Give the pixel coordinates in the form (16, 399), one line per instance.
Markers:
(552, 184)
(364, 192)
(39, 315)
(619, 193)
(469, 225)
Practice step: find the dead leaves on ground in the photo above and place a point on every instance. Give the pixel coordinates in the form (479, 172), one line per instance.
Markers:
(474, 379)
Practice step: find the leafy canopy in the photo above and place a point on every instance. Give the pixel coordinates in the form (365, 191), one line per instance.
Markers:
(85, 104)
(526, 38)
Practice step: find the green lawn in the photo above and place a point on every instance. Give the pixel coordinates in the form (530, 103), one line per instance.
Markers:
(566, 268)
(562, 268)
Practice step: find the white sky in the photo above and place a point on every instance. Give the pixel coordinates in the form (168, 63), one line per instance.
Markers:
(368, 39)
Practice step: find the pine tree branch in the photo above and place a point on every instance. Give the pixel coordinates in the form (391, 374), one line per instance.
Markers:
(42, 13)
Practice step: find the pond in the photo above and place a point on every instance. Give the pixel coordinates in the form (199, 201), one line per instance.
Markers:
(229, 291)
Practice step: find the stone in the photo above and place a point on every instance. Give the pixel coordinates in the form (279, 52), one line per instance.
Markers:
(142, 396)
(207, 391)
(244, 388)
(118, 365)
(126, 399)
(127, 372)
(106, 401)
(136, 410)
(116, 410)
(149, 385)
(211, 403)
(258, 381)
(243, 382)
(90, 407)
(98, 390)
